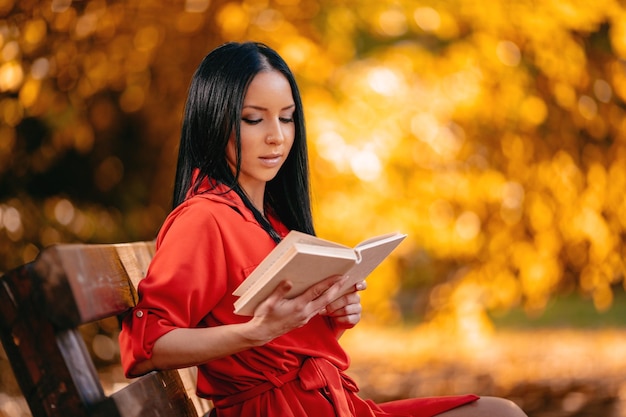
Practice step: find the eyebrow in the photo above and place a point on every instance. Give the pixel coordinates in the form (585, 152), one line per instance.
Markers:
(291, 106)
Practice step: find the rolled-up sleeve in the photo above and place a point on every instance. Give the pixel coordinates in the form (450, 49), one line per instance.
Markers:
(185, 280)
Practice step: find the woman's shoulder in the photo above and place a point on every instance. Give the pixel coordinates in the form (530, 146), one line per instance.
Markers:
(214, 200)
(202, 208)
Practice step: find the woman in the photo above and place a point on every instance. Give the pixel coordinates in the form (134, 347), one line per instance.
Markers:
(241, 185)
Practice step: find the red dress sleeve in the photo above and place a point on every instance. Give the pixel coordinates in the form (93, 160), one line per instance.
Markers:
(182, 291)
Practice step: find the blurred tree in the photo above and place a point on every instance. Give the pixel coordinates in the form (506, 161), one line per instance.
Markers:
(492, 135)
(90, 92)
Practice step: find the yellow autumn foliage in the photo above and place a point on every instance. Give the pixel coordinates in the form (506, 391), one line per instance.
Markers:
(493, 136)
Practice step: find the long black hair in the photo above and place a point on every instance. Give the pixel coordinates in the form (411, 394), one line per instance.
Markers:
(213, 112)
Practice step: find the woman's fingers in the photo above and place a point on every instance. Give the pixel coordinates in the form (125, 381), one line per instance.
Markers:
(346, 304)
(321, 294)
(274, 298)
(340, 305)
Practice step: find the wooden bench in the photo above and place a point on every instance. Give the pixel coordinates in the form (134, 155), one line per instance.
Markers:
(42, 306)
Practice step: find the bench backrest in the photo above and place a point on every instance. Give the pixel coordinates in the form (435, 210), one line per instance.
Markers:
(42, 305)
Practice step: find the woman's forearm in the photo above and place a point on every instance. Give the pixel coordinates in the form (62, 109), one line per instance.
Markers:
(182, 348)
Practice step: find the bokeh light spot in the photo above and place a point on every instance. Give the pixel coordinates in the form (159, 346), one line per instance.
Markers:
(11, 76)
(11, 112)
(269, 20)
(60, 6)
(512, 195)
(29, 253)
(392, 22)
(467, 225)
(330, 146)
(384, 81)
(39, 69)
(146, 39)
(35, 32)
(425, 127)
(104, 347)
(11, 219)
(587, 107)
(196, 6)
(29, 93)
(427, 19)
(64, 211)
(602, 90)
(233, 20)
(508, 53)
(366, 165)
(86, 25)
(10, 51)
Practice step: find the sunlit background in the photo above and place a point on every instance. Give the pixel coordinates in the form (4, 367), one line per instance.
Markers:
(492, 133)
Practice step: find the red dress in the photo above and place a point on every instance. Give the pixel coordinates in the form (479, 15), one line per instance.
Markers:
(205, 249)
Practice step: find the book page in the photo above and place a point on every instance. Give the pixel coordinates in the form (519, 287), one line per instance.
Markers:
(378, 240)
(370, 255)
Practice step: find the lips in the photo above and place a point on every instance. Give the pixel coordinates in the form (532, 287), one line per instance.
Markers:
(271, 160)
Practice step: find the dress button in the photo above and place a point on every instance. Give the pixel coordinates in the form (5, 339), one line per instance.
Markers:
(139, 314)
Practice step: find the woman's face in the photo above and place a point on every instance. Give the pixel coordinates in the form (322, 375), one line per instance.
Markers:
(267, 131)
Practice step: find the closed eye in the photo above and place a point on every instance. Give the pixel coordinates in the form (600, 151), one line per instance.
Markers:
(286, 119)
(252, 121)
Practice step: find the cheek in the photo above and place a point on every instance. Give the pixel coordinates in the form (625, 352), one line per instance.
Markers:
(231, 153)
(290, 138)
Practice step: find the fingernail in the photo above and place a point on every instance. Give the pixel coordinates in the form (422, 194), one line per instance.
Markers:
(323, 311)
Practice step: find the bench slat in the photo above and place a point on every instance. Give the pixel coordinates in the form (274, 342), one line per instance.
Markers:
(80, 366)
(153, 395)
(83, 283)
(135, 257)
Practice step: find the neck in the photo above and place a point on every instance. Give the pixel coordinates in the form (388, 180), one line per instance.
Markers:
(256, 196)
(259, 213)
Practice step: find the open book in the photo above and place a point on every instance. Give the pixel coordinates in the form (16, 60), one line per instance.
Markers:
(305, 260)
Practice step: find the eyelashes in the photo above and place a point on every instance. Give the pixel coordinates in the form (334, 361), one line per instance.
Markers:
(253, 122)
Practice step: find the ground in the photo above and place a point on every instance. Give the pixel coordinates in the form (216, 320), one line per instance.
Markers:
(549, 373)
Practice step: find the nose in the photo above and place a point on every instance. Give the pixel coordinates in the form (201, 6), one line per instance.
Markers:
(275, 133)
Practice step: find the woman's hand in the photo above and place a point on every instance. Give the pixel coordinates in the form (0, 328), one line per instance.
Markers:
(346, 310)
(278, 315)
